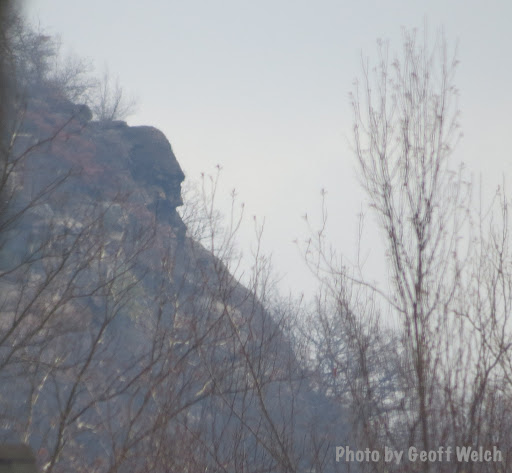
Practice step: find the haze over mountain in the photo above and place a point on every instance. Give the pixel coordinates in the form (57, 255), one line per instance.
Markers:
(133, 339)
(124, 344)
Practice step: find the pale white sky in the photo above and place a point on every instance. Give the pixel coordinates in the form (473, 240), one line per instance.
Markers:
(261, 88)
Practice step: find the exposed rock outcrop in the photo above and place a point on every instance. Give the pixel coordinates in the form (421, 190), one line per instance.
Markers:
(122, 335)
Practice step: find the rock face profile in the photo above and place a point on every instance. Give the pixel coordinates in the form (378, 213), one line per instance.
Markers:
(145, 153)
(124, 344)
(163, 171)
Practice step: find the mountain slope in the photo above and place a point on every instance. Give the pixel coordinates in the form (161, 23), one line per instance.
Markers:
(124, 344)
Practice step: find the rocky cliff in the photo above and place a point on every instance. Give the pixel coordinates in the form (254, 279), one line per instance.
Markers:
(124, 344)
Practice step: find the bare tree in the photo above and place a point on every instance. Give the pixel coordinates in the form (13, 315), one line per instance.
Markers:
(263, 413)
(109, 101)
(433, 380)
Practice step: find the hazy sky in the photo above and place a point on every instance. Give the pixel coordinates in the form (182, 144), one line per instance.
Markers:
(261, 88)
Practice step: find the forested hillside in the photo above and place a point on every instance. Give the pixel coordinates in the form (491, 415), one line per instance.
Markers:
(133, 338)
(124, 344)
